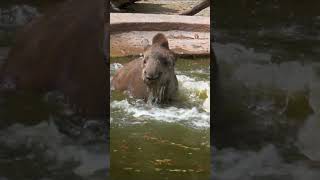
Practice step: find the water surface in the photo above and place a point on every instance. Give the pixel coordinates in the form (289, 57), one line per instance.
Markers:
(169, 141)
(268, 55)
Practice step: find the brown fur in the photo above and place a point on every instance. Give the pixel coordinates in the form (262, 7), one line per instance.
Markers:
(63, 50)
(144, 77)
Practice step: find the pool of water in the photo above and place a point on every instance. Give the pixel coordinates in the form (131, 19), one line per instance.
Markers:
(269, 123)
(163, 141)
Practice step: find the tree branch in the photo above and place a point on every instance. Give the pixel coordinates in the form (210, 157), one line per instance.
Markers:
(197, 8)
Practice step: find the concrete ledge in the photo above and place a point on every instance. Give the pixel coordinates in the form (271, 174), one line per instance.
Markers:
(187, 35)
(122, 22)
(181, 42)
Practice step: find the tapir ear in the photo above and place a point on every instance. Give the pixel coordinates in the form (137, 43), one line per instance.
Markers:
(161, 40)
(145, 43)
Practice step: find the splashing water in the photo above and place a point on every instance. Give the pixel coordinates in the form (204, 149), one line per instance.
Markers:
(192, 107)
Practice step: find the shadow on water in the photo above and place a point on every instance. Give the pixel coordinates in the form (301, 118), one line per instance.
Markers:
(268, 116)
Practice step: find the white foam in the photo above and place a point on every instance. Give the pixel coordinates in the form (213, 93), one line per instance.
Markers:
(56, 146)
(169, 114)
(206, 103)
(237, 53)
(18, 15)
(308, 138)
(115, 66)
(192, 84)
(276, 75)
(264, 164)
(196, 116)
(194, 88)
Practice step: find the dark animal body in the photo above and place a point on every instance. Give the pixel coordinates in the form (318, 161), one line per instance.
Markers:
(63, 50)
(151, 77)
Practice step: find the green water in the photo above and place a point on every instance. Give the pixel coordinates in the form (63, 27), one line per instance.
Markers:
(267, 126)
(147, 147)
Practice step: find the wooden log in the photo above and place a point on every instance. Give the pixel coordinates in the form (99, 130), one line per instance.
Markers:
(123, 22)
(181, 42)
(197, 8)
(187, 35)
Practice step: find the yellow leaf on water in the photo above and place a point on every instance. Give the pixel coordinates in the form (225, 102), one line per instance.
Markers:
(157, 169)
(175, 170)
